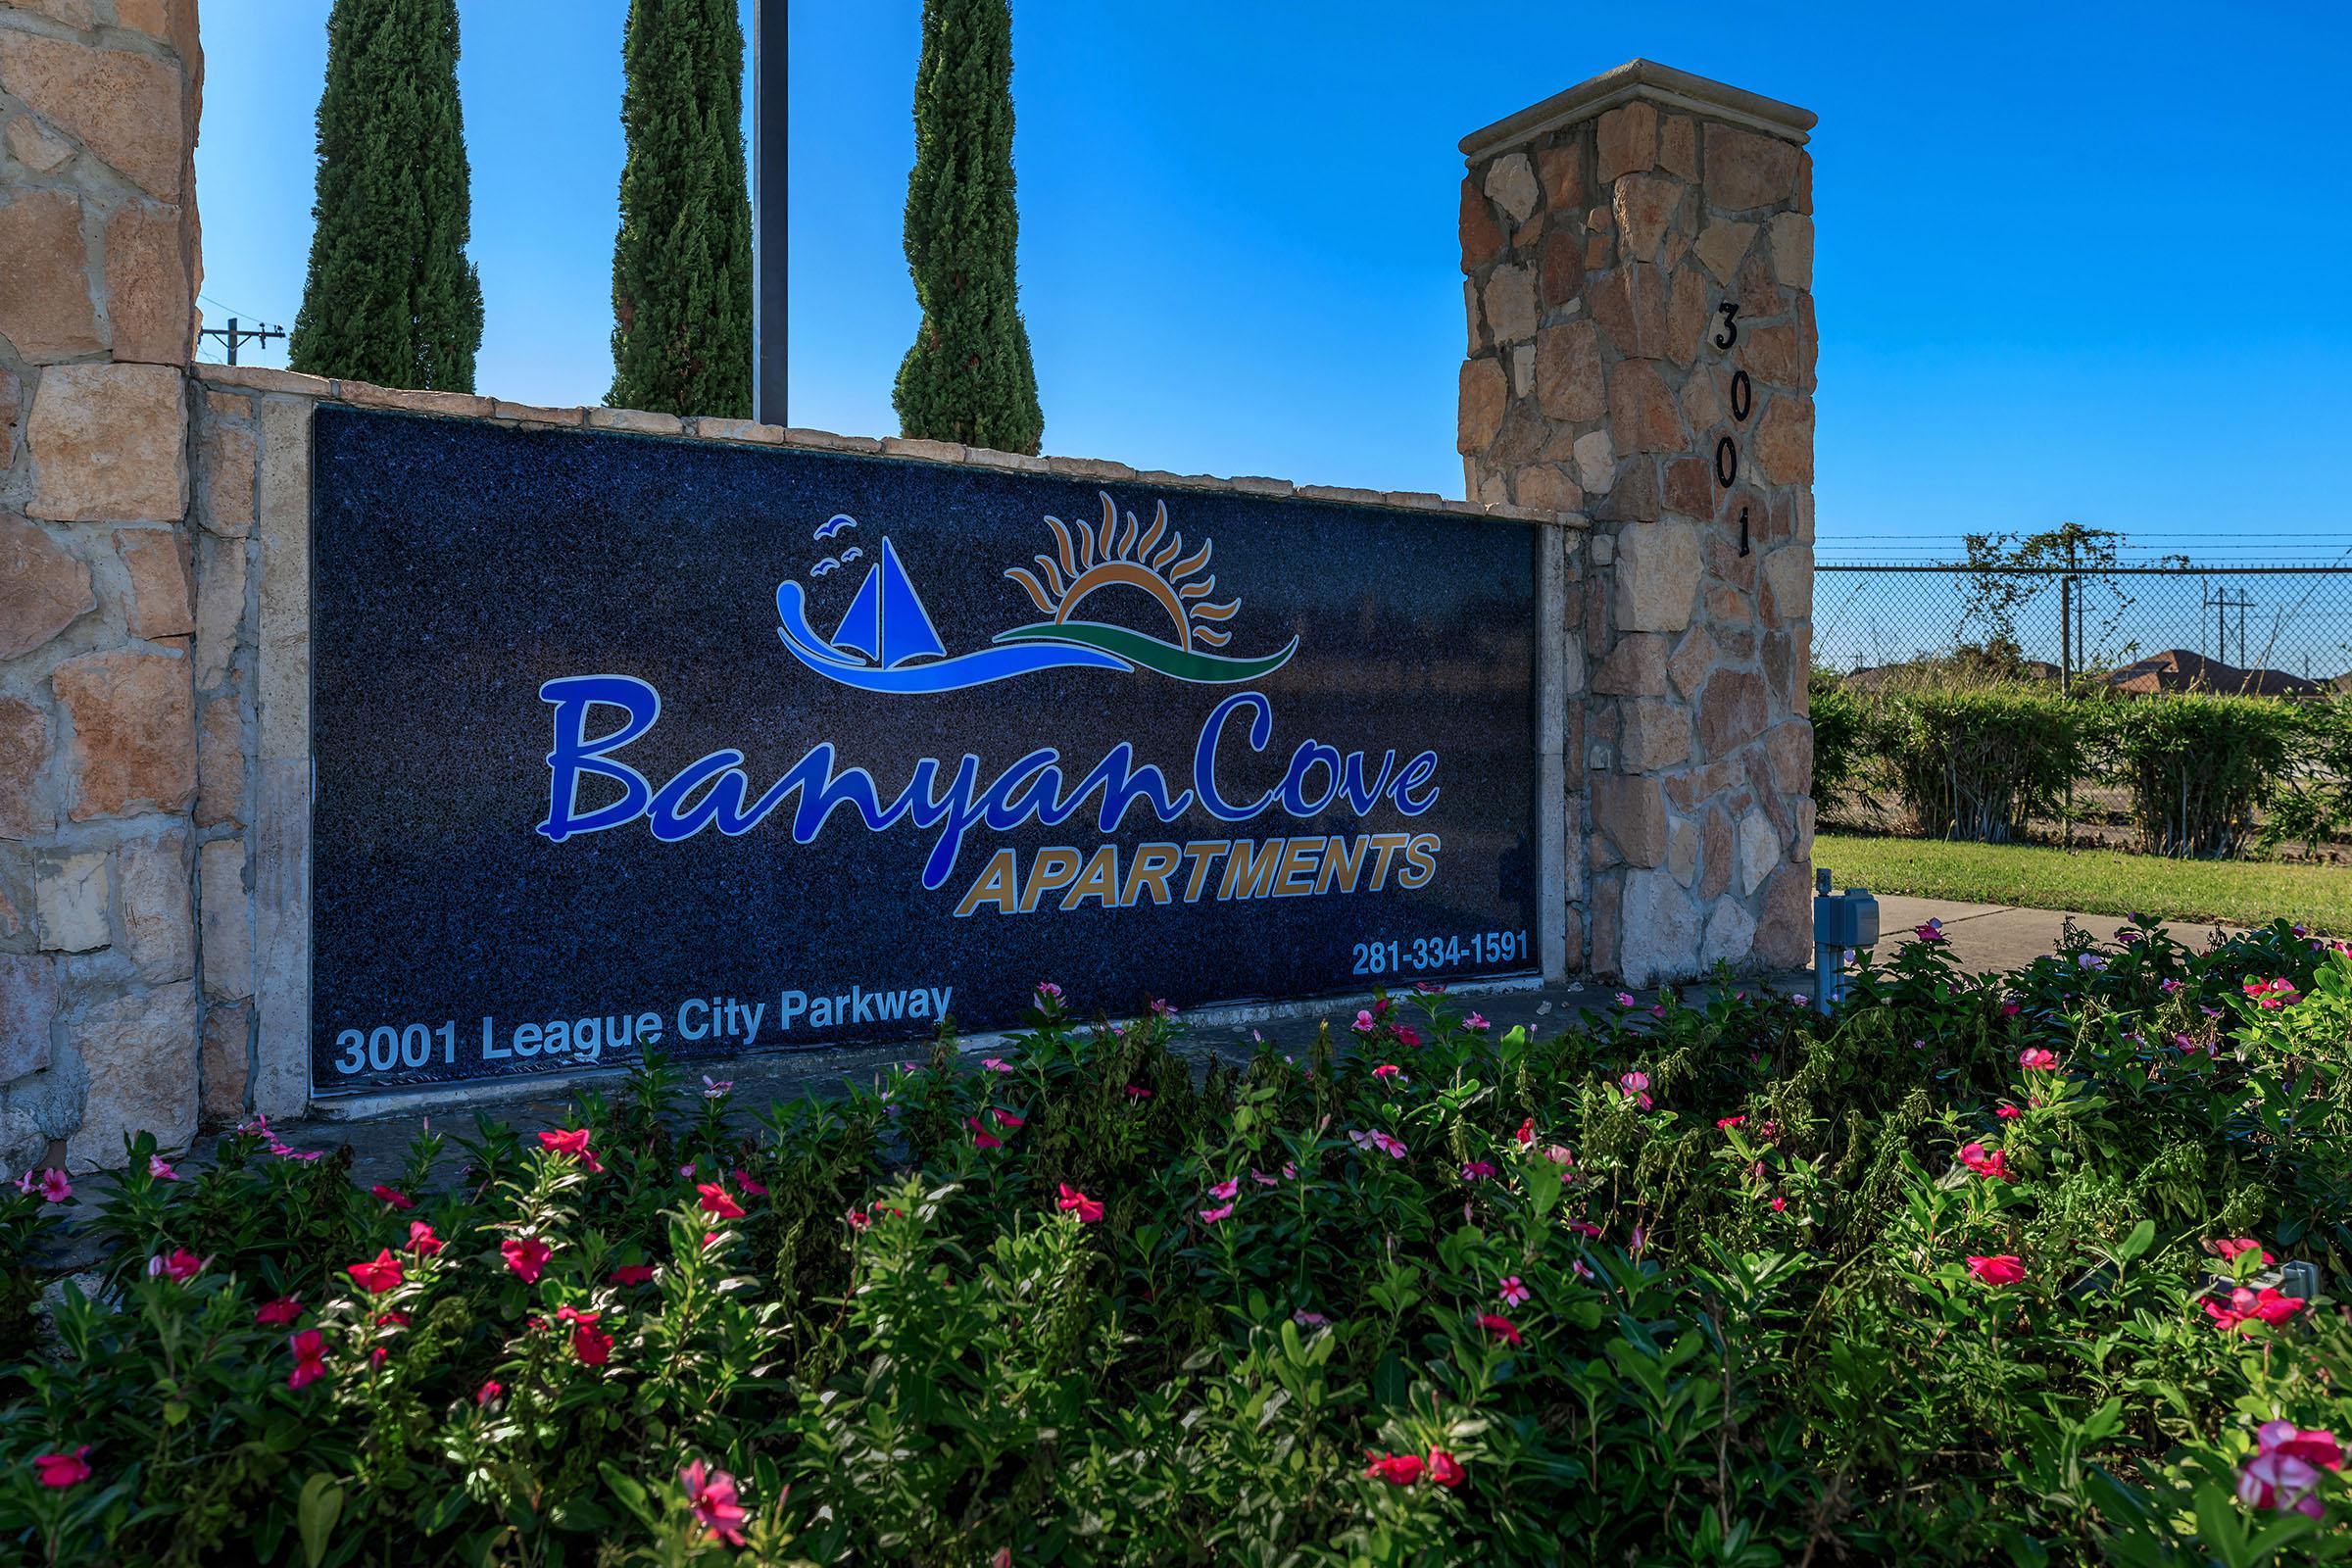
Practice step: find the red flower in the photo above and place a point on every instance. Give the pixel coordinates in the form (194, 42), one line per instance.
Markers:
(1526, 1135)
(421, 1239)
(488, 1392)
(2005, 1269)
(1444, 1469)
(1007, 1119)
(309, 1358)
(2243, 1244)
(381, 1275)
(592, 1345)
(574, 1143)
(526, 1255)
(1727, 1123)
(393, 1320)
(1992, 1166)
(2008, 1113)
(398, 1199)
(62, 1469)
(1074, 1202)
(2267, 1306)
(716, 1201)
(279, 1313)
(633, 1274)
(860, 1219)
(711, 1495)
(743, 1179)
(1397, 1469)
(1502, 1328)
(982, 1138)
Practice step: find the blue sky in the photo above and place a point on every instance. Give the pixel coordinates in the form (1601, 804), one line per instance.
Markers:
(2075, 262)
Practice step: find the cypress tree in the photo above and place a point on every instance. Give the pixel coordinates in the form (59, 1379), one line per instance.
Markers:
(391, 297)
(682, 260)
(968, 377)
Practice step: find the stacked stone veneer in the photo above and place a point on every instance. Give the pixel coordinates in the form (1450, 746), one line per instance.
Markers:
(1602, 232)
(101, 968)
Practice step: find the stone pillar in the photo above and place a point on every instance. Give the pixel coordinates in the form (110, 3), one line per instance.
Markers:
(99, 1005)
(1637, 254)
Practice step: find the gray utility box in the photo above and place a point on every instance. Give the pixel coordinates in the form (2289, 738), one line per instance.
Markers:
(1848, 919)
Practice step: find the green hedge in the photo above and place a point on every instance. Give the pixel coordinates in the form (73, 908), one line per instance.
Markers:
(1978, 762)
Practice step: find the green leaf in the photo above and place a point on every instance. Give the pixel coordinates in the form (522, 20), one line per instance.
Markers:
(320, 1505)
(2142, 1237)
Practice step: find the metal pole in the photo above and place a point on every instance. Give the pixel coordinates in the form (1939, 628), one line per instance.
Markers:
(232, 340)
(770, 207)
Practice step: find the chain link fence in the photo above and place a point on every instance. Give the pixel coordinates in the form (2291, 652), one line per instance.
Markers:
(2283, 627)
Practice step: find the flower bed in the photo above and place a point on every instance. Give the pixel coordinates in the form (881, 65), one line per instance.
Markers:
(2013, 1269)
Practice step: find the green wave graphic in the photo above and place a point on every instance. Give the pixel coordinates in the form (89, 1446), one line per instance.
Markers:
(1206, 669)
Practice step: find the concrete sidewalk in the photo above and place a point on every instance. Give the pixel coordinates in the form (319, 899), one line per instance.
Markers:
(1994, 935)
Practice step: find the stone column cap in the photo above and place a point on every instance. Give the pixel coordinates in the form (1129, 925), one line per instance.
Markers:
(1645, 80)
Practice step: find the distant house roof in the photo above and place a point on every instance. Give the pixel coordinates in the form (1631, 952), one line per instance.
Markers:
(2176, 669)
(2343, 683)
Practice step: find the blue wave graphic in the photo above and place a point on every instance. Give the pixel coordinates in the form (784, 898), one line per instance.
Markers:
(976, 669)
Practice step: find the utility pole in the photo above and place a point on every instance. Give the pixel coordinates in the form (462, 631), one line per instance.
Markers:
(233, 334)
(770, 169)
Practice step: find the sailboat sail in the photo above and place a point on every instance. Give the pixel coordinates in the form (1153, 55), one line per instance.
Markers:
(887, 621)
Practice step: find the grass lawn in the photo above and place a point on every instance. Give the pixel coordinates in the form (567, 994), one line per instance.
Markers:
(2092, 881)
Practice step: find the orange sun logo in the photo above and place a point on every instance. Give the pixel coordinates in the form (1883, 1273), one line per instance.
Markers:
(1109, 556)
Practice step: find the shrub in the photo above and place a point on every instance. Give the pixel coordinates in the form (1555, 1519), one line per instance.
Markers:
(2194, 765)
(1842, 745)
(2310, 800)
(1978, 1269)
(1978, 762)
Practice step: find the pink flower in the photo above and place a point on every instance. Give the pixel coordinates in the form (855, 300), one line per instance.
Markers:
(1444, 1469)
(1226, 1190)
(1992, 1166)
(2005, 1269)
(1048, 991)
(717, 1088)
(1135, 1091)
(995, 1064)
(1397, 1469)
(592, 1345)
(55, 1188)
(1625, 999)
(572, 1143)
(421, 1239)
(743, 1179)
(711, 1495)
(2034, 1059)
(982, 1138)
(1363, 1024)
(2267, 1306)
(2280, 1481)
(1727, 1123)
(1476, 1024)
(62, 1469)
(382, 1275)
(181, 1265)
(1780, 1204)
(1514, 1291)
(1376, 1139)
(2010, 1009)
(309, 1358)
(1933, 931)
(2169, 987)
(1637, 1087)
(633, 1274)
(488, 1392)
(1407, 1035)
(398, 1199)
(2008, 1112)
(1502, 1328)
(1309, 1320)
(1009, 1121)
(526, 1255)
(279, 1313)
(2243, 1243)
(2312, 1447)
(1477, 1170)
(160, 1168)
(1074, 1202)
(1211, 1216)
(2271, 995)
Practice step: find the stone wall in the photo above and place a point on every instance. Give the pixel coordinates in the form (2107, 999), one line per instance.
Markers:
(1604, 233)
(99, 949)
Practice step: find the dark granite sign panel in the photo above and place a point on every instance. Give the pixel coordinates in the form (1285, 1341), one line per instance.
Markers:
(627, 743)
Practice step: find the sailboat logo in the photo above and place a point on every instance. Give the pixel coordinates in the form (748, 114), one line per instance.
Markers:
(886, 643)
